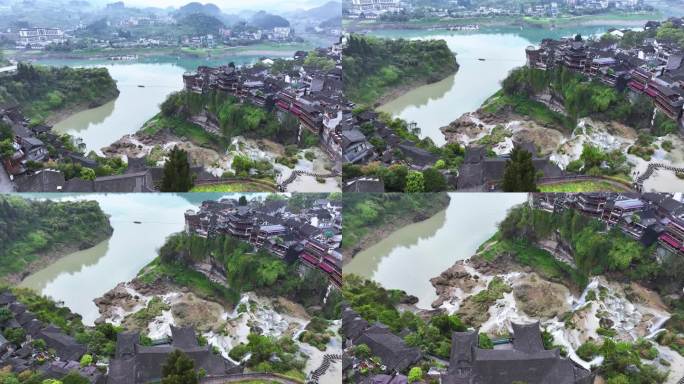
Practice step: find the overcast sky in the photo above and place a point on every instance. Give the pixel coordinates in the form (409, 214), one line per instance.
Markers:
(239, 5)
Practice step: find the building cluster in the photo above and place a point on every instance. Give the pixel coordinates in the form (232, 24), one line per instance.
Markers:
(357, 148)
(390, 9)
(39, 38)
(134, 363)
(60, 356)
(310, 237)
(481, 173)
(371, 9)
(522, 358)
(35, 146)
(654, 68)
(313, 95)
(393, 353)
(651, 218)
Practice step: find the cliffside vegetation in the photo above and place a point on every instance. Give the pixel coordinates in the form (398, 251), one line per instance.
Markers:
(579, 97)
(595, 251)
(369, 216)
(232, 118)
(31, 230)
(43, 91)
(374, 67)
(245, 271)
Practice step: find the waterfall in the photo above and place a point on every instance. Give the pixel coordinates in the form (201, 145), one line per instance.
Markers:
(327, 293)
(655, 112)
(299, 134)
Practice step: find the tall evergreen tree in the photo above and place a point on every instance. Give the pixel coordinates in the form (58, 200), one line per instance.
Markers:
(179, 369)
(519, 174)
(177, 176)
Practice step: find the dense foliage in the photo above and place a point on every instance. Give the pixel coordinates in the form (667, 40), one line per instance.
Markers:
(582, 98)
(596, 250)
(234, 118)
(179, 369)
(249, 271)
(373, 67)
(365, 212)
(30, 229)
(270, 354)
(41, 91)
(377, 304)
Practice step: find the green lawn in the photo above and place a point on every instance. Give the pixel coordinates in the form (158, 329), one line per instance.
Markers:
(233, 187)
(582, 186)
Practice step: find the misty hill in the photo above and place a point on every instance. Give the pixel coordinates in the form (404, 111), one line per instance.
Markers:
(208, 9)
(200, 24)
(264, 20)
(327, 11)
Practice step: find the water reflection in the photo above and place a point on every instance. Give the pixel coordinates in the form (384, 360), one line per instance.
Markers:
(411, 256)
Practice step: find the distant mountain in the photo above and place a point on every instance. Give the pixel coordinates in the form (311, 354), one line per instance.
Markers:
(195, 7)
(333, 22)
(201, 24)
(329, 10)
(266, 20)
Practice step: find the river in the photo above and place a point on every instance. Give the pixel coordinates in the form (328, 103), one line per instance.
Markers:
(79, 278)
(436, 105)
(144, 86)
(411, 256)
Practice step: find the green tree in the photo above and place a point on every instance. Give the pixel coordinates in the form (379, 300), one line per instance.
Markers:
(362, 351)
(415, 182)
(86, 360)
(485, 342)
(177, 176)
(179, 369)
(415, 374)
(520, 174)
(434, 180)
(87, 174)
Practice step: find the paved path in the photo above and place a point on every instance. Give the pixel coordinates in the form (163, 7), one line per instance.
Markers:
(6, 185)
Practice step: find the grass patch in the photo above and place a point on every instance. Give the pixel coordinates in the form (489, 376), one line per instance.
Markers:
(233, 187)
(581, 186)
(535, 110)
(540, 260)
(182, 128)
(185, 277)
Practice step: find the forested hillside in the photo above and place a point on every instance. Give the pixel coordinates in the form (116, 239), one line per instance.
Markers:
(30, 229)
(245, 271)
(374, 68)
(368, 215)
(42, 91)
(233, 119)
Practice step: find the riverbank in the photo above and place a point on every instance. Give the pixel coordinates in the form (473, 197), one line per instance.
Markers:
(142, 54)
(624, 19)
(48, 257)
(394, 217)
(377, 70)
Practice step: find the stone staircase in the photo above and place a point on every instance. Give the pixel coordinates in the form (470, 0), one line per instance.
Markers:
(320, 371)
